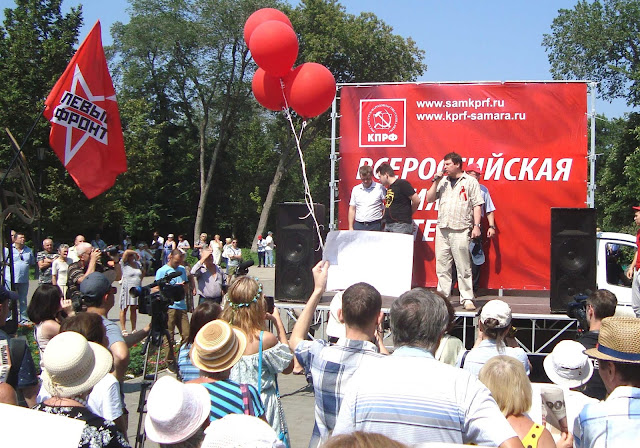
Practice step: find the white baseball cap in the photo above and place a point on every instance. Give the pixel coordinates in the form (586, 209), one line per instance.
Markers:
(498, 310)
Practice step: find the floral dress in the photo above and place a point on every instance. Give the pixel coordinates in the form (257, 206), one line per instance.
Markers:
(97, 433)
(274, 361)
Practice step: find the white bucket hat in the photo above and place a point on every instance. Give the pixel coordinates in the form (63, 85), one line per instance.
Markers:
(72, 365)
(567, 365)
(240, 431)
(175, 411)
(335, 328)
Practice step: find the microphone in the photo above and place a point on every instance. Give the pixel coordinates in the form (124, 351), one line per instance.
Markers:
(172, 275)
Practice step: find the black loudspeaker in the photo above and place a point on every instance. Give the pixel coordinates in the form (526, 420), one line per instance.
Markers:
(297, 250)
(573, 255)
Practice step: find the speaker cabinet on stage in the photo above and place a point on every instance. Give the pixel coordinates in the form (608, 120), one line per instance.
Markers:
(573, 255)
(296, 254)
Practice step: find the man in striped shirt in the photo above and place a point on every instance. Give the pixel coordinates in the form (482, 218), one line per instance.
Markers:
(332, 366)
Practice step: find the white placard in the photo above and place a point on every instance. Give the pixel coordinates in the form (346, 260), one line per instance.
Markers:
(382, 259)
(53, 431)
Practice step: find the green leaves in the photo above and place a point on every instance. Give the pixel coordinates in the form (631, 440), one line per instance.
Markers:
(598, 41)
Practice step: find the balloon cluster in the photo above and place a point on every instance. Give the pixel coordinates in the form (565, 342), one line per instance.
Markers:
(308, 89)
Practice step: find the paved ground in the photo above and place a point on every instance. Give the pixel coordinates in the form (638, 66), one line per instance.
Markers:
(297, 398)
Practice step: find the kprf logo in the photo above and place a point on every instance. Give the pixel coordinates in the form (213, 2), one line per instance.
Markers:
(383, 123)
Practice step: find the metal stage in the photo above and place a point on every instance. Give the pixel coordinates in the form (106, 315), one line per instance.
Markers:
(537, 329)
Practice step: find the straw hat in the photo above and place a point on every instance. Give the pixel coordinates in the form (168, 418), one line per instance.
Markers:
(218, 346)
(498, 310)
(175, 411)
(567, 365)
(240, 431)
(618, 341)
(72, 365)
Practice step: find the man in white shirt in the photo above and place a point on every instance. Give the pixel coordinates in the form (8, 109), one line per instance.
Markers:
(72, 251)
(366, 206)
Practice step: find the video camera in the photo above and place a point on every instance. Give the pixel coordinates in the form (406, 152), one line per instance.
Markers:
(152, 302)
(578, 310)
(156, 304)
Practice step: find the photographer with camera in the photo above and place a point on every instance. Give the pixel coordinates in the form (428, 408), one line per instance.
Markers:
(177, 312)
(88, 263)
(599, 305)
(207, 278)
(98, 296)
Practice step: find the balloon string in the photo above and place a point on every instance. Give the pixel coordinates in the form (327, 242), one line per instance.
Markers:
(308, 198)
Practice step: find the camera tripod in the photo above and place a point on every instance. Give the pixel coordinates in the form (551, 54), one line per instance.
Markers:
(155, 338)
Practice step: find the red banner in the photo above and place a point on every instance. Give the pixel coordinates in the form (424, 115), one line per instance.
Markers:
(529, 138)
(86, 134)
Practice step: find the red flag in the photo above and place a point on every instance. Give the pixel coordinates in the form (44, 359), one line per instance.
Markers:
(86, 133)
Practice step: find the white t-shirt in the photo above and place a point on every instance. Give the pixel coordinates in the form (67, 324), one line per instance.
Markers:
(368, 202)
(104, 400)
(269, 242)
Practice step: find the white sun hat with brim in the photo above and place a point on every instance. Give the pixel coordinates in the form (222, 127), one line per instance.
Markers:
(240, 431)
(567, 365)
(71, 365)
(175, 410)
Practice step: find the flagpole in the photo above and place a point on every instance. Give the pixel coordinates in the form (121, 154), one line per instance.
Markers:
(19, 150)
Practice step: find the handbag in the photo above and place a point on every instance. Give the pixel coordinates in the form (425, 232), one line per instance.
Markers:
(283, 435)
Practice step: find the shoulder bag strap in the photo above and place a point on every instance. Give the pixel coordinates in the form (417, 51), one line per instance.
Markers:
(260, 365)
(247, 402)
(464, 355)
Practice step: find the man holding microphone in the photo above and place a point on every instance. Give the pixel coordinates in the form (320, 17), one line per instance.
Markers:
(459, 214)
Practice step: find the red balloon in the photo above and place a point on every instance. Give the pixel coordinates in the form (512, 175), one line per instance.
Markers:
(259, 17)
(274, 47)
(310, 89)
(267, 90)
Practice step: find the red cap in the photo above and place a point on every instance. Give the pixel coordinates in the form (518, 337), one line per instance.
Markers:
(475, 168)
(259, 237)
(636, 208)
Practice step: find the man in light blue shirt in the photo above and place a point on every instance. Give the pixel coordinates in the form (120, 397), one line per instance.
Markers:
(23, 259)
(614, 422)
(177, 313)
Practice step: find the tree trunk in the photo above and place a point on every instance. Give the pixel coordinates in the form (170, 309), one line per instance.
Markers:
(268, 202)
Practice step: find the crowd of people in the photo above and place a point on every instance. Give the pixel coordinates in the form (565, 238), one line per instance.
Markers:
(429, 389)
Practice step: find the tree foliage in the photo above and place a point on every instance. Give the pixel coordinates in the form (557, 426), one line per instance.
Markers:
(600, 41)
(618, 172)
(36, 44)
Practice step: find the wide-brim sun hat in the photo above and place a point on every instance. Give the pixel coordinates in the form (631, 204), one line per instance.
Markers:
(618, 340)
(567, 365)
(218, 346)
(72, 365)
(175, 410)
(240, 431)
